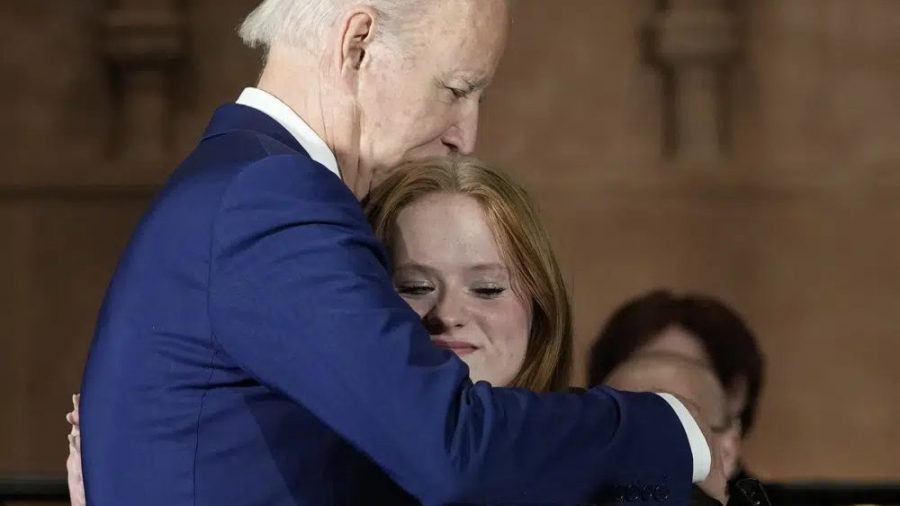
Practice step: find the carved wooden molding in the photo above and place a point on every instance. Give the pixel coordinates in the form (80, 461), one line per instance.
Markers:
(696, 41)
(143, 42)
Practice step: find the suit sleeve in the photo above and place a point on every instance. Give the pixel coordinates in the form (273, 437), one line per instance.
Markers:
(301, 298)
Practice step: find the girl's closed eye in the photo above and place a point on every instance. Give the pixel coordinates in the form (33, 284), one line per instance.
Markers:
(489, 291)
(413, 289)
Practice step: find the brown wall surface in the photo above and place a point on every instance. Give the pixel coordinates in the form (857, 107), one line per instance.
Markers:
(753, 156)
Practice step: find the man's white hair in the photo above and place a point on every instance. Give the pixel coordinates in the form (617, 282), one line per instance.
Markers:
(304, 22)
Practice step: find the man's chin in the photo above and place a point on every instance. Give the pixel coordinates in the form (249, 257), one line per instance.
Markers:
(382, 173)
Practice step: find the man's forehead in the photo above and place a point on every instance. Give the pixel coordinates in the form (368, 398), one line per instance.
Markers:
(476, 63)
(468, 46)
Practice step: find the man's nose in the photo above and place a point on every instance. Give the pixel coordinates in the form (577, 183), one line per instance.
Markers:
(462, 135)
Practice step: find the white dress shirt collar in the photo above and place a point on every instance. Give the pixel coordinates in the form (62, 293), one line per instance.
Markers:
(293, 123)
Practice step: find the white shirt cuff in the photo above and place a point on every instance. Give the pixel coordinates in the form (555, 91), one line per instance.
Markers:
(696, 439)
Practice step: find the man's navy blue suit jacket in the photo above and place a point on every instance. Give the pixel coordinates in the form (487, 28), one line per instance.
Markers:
(252, 351)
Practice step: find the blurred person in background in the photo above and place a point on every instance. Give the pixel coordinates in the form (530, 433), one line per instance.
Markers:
(694, 381)
(698, 328)
(697, 383)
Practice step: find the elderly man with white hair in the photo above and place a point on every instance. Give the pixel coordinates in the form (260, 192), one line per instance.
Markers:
(251, 349)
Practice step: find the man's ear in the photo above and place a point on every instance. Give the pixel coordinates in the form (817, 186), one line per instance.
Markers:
(357, 33)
